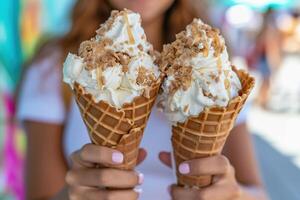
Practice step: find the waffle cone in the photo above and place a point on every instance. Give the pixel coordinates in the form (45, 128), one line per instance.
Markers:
(206, 134)
(121, 129)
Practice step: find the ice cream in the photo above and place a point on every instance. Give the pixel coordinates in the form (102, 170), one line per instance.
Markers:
(118, 64)
(199, 73)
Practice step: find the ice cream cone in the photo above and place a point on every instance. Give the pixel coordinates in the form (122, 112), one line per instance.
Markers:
(121, 129)
(206, 134)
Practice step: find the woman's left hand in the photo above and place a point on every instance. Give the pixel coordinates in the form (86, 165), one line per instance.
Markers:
(224, 186)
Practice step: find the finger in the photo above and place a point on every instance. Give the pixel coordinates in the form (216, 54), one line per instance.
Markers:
(142, 155)
(104, 178)
(181, 193)
(99, 194)
(165, 158)
(215, 165)
(91, 154)
(220, 192)
(77, 162)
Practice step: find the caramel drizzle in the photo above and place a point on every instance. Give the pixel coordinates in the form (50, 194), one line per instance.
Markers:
(186, 108)
(129, 32)
(196, 34)
(219, 64)
(227, 87)
(227, 83)
(205, 69)
(99, 77)
(206, 49)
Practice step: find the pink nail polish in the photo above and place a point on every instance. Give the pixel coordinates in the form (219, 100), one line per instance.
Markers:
(138, 190)
(184, 168)
(141, 178)
(117, 157)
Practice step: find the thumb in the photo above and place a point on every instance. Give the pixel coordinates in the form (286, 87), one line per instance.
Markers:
(165, 158)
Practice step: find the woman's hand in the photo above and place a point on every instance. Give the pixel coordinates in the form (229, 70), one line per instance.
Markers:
(87, 181)
(224, 186)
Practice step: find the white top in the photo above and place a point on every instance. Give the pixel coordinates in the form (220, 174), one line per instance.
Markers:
(41, 100)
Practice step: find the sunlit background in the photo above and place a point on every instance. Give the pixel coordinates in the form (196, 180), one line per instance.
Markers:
(250, 26)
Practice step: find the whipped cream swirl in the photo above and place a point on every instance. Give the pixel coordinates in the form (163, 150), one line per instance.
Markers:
(199, 73)
(118, 64)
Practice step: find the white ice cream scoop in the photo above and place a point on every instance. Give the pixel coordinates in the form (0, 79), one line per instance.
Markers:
(199, 73)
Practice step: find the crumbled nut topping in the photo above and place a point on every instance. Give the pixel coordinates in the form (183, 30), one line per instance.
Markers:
(227, 86)
(100, 78)
(213, 76)
(186, 108)
(97, 53)
(186, 46)
(207, 94)
(92, 51)
(123, 58)
(145, 77)
(182, 77)
(140, 47)
(219, 64)
(125, 68)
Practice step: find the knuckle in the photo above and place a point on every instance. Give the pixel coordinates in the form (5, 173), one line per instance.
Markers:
(69, 178)
(103, 158)
(103, 178)
(197, 164)
(84, 151)
(74, 157)
(224, 161)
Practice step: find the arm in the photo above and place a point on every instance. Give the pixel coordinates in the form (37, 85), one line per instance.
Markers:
(240, 152)
(45, 163)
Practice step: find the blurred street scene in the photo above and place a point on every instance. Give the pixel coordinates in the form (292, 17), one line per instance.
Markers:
(263, 36)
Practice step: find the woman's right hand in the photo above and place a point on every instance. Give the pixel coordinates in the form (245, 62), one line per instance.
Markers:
(86, 181)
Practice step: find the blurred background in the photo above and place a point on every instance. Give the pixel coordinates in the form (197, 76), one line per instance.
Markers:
(263, 36)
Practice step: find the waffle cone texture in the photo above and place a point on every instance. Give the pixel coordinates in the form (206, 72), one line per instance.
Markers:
(121, 129)
(206, 134)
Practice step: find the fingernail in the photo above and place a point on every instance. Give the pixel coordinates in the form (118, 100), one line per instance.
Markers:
(184, 168)
(138, 190)
(141, 178)
(117, 157)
